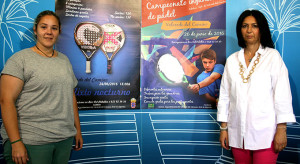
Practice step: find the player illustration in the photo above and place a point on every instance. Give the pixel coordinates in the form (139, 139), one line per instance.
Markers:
(208, 82)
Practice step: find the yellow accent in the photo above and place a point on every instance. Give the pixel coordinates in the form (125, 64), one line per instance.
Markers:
(175, 25)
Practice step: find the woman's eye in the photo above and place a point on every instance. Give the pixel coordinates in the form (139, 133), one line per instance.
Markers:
(244, 26)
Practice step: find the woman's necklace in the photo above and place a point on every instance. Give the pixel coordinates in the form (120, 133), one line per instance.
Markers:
(44, 53)
(249, 57)
(242, 69)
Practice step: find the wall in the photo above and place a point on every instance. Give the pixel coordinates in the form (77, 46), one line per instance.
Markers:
(159, 136)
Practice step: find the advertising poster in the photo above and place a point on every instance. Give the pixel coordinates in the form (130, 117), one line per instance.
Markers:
(102, 41)
(175, 34)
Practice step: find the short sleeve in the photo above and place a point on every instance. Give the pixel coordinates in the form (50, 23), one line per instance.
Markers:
(219, 68)
(14, 67)
(75, 81)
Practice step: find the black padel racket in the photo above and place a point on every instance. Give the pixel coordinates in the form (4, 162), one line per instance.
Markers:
(88, 37)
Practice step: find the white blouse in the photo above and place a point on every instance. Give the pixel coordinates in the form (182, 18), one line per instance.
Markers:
(253, 109)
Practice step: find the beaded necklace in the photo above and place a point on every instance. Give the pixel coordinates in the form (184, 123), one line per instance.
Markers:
(242, 69)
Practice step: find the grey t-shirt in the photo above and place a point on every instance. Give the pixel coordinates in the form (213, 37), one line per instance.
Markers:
(45, 104)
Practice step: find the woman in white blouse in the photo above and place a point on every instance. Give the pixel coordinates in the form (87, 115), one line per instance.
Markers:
(255, 100)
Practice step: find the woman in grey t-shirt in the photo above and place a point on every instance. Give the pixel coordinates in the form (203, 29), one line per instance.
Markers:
(38, 104)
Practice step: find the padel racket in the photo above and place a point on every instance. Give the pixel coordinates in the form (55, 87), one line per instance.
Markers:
(170, 70)
(88, 37)
(114, 39)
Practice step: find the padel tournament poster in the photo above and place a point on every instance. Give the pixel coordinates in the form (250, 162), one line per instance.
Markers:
(101, 38)
(173, 36)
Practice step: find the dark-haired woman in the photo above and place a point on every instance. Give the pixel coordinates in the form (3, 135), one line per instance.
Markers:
(255, 102)
(38, 104)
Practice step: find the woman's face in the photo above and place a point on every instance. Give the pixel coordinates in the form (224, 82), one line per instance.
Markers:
(250, 31)
(47, 31)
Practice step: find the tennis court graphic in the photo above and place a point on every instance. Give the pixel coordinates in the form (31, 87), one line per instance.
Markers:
(109, 138)
(188, 138)
(160, 138)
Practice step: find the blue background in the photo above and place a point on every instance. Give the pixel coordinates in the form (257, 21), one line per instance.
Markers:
(162, 136)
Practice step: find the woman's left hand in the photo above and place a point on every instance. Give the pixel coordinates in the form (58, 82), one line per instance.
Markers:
(280, 140)
(78, 141)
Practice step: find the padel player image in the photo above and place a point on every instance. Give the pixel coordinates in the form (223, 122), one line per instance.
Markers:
(208, 82)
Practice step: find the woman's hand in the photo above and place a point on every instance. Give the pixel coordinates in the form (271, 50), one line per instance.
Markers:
(11, 87)
(224, 139)
(19, 153)
(78, 136)
(280, 140)
(78, 141)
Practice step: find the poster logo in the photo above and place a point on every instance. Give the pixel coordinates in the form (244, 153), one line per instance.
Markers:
(133, 103)
(150, 105)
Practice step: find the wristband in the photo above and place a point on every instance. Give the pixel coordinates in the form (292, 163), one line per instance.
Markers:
(198, 85)
(223, 129)
(16, 141)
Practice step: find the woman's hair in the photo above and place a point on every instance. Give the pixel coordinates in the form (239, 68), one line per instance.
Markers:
(44, 13)
(265, 34)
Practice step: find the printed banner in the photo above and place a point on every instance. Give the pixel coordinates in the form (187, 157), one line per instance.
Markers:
(183, 47)
(102, 41)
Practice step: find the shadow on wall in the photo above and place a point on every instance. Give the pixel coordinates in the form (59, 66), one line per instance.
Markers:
(295, 95)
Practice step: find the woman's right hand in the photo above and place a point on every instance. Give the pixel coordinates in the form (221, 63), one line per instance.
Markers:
(224, 139)
(19, 153)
